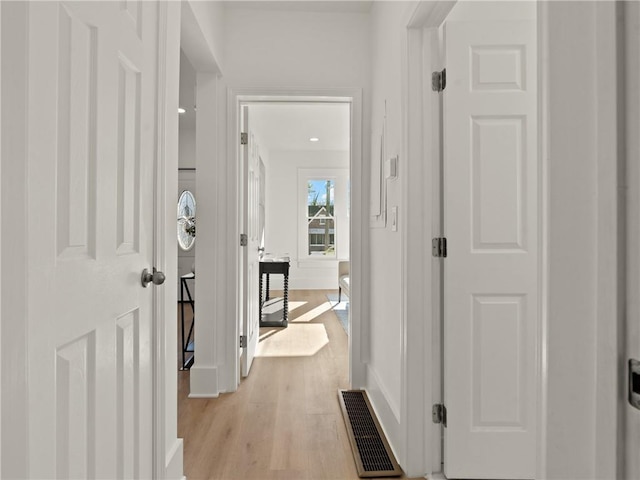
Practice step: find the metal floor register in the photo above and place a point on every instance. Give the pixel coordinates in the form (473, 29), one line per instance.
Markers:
(371, 451)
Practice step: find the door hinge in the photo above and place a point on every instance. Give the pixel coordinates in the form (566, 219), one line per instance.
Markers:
(634, 383)
(439, 247)
(439, 414)
(439, 80)
(244, 240)
(244, 138)
(243, 341)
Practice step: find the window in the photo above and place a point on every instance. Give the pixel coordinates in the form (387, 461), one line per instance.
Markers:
(323, 222)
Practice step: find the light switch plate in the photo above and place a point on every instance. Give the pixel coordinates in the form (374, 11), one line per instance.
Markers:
(394, 219)
(391, 168)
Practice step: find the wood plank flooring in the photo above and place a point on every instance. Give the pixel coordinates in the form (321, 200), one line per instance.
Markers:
(284, 422)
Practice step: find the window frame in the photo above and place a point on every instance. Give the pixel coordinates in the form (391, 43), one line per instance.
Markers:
(340, 178)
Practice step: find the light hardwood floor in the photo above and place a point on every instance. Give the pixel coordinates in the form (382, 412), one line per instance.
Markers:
(284, 422)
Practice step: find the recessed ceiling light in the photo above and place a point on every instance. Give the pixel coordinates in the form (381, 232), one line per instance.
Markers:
(181, 110)
(314, 139)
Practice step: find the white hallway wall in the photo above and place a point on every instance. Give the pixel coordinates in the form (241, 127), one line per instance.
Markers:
(385, 260)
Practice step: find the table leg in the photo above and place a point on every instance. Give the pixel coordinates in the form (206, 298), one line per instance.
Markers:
(184, 287)
(266, 299)
(285, 314)
(260, 301)
(182, 317)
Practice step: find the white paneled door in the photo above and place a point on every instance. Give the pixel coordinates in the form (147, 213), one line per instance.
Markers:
(491, 286)
(91, 125)
(252, 227)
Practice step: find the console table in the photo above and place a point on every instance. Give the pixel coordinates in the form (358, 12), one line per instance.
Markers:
(187, 342)
(276, 266)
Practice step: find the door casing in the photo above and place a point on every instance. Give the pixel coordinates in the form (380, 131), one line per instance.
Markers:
(424, 23)
(425, 55)
(243, 96)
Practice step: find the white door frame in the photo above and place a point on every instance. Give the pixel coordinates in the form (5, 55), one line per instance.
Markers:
(612, 257)
(182, 32)
(359, 228)
(629, 258)
(165, 245)
(0, 228)
(422, 372)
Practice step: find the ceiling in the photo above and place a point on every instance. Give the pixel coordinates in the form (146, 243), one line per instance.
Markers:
(289, 126)
(327, 6)
(280, 126)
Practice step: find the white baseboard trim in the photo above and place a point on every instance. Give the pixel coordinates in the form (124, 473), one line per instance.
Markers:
(436, 476)
(204, 382)
(373, 380)
(386, 415)
(203, 395)
(174, 468)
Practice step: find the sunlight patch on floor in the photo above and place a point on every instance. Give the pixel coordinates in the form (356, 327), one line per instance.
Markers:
(294, 305)
(296, 340)
(312, 314)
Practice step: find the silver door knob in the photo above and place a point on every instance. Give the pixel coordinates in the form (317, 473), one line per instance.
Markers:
(261, 249)
(156, 277)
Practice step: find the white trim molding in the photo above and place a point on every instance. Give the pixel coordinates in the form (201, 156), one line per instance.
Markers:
(358, 235)
(210, 282)
(173, 461)
(164, 244)
(421, 274)
(543, 175)
(611, 176)
(204, 382)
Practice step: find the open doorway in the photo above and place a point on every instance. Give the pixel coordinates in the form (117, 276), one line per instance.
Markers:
(237, 100)
(295, 215)
(284, 416)
(186, 211)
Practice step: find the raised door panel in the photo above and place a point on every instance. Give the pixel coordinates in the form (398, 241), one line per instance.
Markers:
(76, 152)
(498, 68)
(499, 395)
(76, 408)
(498, 183)
(128, 171)
(128, 393)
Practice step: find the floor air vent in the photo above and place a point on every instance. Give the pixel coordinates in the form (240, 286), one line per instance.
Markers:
(371, 450)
